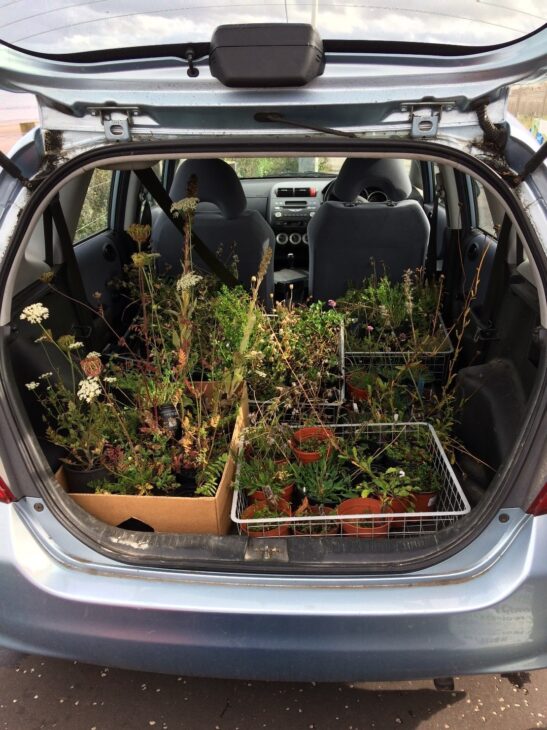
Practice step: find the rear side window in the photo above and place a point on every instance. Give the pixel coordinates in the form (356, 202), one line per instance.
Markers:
(95, 210)
(482, 210)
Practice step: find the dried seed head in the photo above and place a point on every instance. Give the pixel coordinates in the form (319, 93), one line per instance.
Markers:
(139, 233)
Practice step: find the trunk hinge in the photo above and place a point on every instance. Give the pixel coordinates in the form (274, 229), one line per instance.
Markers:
(425, 116)
(13, 171)
(116, 121)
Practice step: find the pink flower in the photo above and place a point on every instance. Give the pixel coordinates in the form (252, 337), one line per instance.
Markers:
(370, 328)
(331, 303)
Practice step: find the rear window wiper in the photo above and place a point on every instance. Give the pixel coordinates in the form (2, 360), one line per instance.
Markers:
(276, 118)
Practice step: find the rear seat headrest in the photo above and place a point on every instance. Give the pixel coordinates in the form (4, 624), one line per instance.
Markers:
(218, 183)
(358, 173)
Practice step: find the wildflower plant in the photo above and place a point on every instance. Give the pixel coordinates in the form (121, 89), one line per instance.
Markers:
(298, 355)
(386, 316)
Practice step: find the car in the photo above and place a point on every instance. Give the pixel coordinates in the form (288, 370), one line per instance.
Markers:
(334, 155)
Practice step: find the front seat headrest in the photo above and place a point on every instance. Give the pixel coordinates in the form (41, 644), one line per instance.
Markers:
(358, 173)
(218, 183)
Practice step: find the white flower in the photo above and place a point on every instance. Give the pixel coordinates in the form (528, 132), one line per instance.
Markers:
(89, 389)
(186, 206)
(110, 380)
(32, 385)
(44, 376)
(75, 345)
(401, 473)
(187, 281)
(35, 313)
(93, 354)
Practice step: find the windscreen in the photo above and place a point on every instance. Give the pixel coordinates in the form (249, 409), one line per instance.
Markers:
(66, 26)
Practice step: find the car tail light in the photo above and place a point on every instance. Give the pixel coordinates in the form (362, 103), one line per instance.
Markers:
(539, 505)
(5, 494)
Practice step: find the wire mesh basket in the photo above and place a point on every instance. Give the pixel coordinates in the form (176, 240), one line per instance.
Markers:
(443, 507)
(294, 404)
(436, 363)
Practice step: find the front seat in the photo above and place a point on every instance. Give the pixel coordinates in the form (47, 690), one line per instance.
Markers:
(233, 233)
(350, 238)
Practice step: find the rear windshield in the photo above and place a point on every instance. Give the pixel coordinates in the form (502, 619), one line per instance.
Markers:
(65, 26)
(264, 167)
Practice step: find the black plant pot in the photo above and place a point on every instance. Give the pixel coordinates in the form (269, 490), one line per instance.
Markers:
(169, 419)
(186, 480)
(79, 479)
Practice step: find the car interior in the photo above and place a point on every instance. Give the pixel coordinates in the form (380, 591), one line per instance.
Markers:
(329, 222)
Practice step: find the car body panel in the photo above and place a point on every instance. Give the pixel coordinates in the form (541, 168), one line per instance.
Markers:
(483, 609)
(289, 628)
(378, 93)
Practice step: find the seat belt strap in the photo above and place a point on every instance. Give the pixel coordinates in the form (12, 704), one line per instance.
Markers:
(431, 256)
(150, 180)
(48, 237)
(498, 276)
(74, 277)
(145, 217)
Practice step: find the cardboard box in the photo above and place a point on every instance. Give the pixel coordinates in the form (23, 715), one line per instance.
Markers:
(198, 515)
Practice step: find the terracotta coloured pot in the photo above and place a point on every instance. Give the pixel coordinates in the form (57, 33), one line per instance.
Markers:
(401, 504)
(328, 529)
(275, 530)
(364, 506)
(421, 502)
(285, 494)
(357, 394)
(310, 433)
(425, 501)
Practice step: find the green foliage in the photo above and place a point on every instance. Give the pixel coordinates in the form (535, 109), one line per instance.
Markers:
(220, 324)
(265, 166)
(423, 477)
(298, 354)
(268, 439)
(264, 512)
(324, 481)
(392, 483)
(81, 429)
(145, 470)
(94, 214)
(210, 476)
(383, 316)
(263, 475)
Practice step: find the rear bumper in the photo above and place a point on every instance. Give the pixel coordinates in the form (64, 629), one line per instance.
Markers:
(280, 628)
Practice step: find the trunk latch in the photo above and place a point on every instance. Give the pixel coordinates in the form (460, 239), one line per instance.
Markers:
(273, 552)
(116, 121)
(425, 117)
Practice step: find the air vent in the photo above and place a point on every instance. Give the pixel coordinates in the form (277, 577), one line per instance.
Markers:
(285, 192)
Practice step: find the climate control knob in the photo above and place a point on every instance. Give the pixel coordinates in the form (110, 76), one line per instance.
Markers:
(281, 239)
(295, 238)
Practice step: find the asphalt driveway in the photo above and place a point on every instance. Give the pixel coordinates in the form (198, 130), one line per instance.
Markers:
(39, 693)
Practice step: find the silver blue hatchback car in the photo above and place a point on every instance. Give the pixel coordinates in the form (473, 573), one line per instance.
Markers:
(321, 134)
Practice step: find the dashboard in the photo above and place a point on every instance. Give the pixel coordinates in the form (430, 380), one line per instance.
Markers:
(288, 204)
